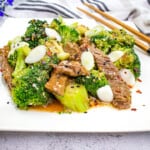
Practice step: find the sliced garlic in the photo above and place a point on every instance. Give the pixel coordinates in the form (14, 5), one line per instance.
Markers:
(115, 55)
(52, 34)
(87, 60)
(127, 76)
(105, 93)
(36, 54)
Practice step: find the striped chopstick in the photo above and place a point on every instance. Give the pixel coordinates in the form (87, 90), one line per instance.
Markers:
(109, 25)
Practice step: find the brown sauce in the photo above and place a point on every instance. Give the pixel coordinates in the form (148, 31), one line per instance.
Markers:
(53, 107)
(56, 106)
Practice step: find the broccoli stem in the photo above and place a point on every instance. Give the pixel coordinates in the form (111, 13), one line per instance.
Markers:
(20, 64)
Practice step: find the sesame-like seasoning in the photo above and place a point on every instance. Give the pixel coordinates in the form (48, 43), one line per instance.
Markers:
(49, 53)
(78, 72)
(66, 66)
(139, 80)
(133, 109)
(104, 63)
(139, 91)
(130, 86)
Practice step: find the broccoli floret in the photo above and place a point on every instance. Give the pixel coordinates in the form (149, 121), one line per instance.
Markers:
(14, 45)
(67, 33)
(102, 42)
(115, 39)
(29, 87)
(131, 61)
(54, 59)
(20, 64)
(81, 29)
(16, 59)
(47, 62)
(92, 82)
(35, 32)
(55, 24)
(123, 38)
(12, 59)
(29, 84)
(57, 49)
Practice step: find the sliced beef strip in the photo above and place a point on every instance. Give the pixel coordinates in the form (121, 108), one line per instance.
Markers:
(84, 44)
(121, 91)
(57, 83)
(74, 51)
(6, 68)
(71, 68)
(122, 99)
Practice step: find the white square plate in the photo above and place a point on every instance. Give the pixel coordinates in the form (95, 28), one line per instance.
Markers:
(100, 119)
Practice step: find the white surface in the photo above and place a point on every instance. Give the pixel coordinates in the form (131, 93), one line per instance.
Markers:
(104, 119)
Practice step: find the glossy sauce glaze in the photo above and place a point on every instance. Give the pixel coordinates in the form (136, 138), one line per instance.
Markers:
(56, 106)
(53, 107)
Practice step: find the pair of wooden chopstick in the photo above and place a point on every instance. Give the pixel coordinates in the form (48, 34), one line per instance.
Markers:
(132, 30)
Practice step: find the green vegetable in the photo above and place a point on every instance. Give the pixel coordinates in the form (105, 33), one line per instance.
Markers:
(81, 29)
(47, 62)
(12, 59)
(92, 82)
(102, 42)
(17, 59)
(29, 84)
(28, 80)
(57, 49)
(122, 38)
(15, 44)
(20, 64)
(56, 23)
(67, 33)
(115, 39)
(131, 61)
(75, 98)
(29, 88)
(108, 41)
(35, 32)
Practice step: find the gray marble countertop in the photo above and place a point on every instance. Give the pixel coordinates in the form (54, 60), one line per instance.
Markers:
(74, 141)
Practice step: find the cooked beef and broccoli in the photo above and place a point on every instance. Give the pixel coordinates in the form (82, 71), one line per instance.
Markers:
(72, 64)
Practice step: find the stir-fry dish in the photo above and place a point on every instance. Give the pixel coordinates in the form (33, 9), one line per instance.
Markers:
(73, 64)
